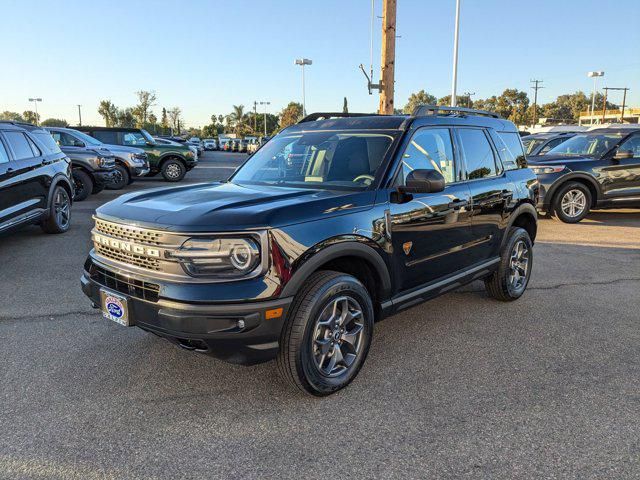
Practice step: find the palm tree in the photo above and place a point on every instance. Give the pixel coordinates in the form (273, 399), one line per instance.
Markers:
(237, 117)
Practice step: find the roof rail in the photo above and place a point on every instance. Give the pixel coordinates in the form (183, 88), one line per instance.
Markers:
(15, 122)
(425, 110)
(327, 115)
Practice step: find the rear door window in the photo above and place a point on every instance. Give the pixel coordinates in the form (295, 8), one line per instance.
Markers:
(510, 148)
(4, 155)
(479, 159)
(46, 142)
(19, 144)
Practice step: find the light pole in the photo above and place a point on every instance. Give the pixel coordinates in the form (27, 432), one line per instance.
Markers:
(79, 115)
(302, 62)
(595, 76)
(265, 116)
(454, 81)
(35, 102)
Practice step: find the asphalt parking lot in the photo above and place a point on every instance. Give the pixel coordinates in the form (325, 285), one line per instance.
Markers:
(463, 386)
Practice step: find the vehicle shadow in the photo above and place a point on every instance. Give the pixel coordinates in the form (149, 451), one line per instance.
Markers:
(612, 218)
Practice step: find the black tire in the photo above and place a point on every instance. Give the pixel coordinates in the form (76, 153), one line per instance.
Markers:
(58, 218)
(499, 284)
(97, 188)
(572, 190)
(173, 170)
(123, 178)
(83, 185)
(300, 344)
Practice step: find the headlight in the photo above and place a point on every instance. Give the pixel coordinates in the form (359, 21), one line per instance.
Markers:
(103, 161)
(224, 257)
(538, 170)
(135, 158)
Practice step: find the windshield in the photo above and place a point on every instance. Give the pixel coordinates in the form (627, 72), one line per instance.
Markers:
(86, 138)
(148, 136)
(330, 160)
(531, 144)
(137, 138)
(589, 145)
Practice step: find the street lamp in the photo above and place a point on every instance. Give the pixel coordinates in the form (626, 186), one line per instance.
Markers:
(35, 102)
(302, 62)
(595, 76)
(265, 116)
(454, 80)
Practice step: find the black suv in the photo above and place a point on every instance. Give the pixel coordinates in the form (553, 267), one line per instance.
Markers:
(595, 169)
(541, 143)
(296, 256)
(35, 179)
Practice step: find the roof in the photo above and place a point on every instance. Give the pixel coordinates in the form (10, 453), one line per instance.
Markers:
(84, 128)
(361, 122)
(10, 125)
(549, 135)
(600, 131)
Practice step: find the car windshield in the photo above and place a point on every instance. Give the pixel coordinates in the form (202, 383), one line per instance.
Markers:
(86, 138)
(531, 144)
(148, 136)
(329, 160)
(137, 138)
(588, 145)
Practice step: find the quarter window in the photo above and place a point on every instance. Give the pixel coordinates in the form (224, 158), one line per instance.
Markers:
(19, 144)
(511, 151)
(36, 151)
(631, 145)
(478, 154)
(430, 149)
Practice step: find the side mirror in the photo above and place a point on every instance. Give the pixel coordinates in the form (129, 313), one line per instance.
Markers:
(423, 181)
(622, 154)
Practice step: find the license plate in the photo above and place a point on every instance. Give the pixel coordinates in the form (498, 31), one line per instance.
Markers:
(114, 307)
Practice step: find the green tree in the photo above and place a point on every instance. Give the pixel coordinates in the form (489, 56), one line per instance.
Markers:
(513, 105)
(489, 104)
(142, 110)
(125, 118)
(417, 99)
(567, 108)
(164, 120)
(31, 117)
(237, 118)
(109, 112)
(54, 122)
(174, 119)
(11, 116)
(345, 107)
(461, 101)
(290, 114)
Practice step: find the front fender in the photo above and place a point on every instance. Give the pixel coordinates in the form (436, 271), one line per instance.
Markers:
(334, 248)
(59, 179)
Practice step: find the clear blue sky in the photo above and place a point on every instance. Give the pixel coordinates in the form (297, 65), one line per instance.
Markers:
(205, 56)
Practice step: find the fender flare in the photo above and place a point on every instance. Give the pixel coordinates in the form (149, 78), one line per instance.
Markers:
(57, 180)
(332, 252)
(525, 207)
(575, 176)
(164, 157)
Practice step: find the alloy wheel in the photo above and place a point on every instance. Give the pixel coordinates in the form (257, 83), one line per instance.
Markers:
(573, 203)
(519, 266)
(173, 171)
(338, 336)
(62, 208)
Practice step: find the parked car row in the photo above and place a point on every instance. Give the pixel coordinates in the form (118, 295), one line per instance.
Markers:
(242, 145)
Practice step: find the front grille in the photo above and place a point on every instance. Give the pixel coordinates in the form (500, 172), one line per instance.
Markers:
(129, 258)
(133, 234)
(123, 284)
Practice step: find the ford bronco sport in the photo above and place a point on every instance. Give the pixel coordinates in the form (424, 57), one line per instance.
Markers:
(338, 221)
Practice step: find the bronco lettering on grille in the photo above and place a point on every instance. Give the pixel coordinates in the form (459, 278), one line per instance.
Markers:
(128, 247)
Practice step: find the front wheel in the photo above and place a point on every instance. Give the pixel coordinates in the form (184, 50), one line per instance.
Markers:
(82, 184)
(327, 335)
(173, 170)
(572, 202)
(58, 218)
(510, 281)
(122, 178)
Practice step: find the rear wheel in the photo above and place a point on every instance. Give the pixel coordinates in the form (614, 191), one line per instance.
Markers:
(327, 335)
(572, 202)
(173, 170)
(59, 216)
(122, 178)
(82, 184)
(510, 281)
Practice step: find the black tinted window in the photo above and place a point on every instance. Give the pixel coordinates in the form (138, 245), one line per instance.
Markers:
(106, 137)
(430, 149)
(46, 142)
(65, 140)
(4, 156)
(553, 143)
(511, 151)
(631, 144)
(34, 148)
(19, 144)
(478, 153)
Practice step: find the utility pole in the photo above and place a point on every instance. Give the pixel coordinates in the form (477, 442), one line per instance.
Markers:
(255, 116)
(79, 116)
(624, 100)
(454, 80)
(265, 116)
(536, 87)
(388, 59)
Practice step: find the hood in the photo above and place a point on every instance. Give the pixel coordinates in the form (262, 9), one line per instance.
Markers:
(123, 149)
(222, 207)
(556, 159)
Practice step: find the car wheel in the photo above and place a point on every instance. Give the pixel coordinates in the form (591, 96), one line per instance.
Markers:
(572, 202)
(122, 178)
(59, 216)
(82, 184)
(173, 170)
(514, 270)
(327, 334)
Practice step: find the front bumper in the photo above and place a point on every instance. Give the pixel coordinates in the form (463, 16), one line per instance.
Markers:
(141, 171)
(237, 332)
(104, 177)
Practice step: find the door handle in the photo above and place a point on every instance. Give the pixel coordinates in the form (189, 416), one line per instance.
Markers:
(46, 162)
(457, 204)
